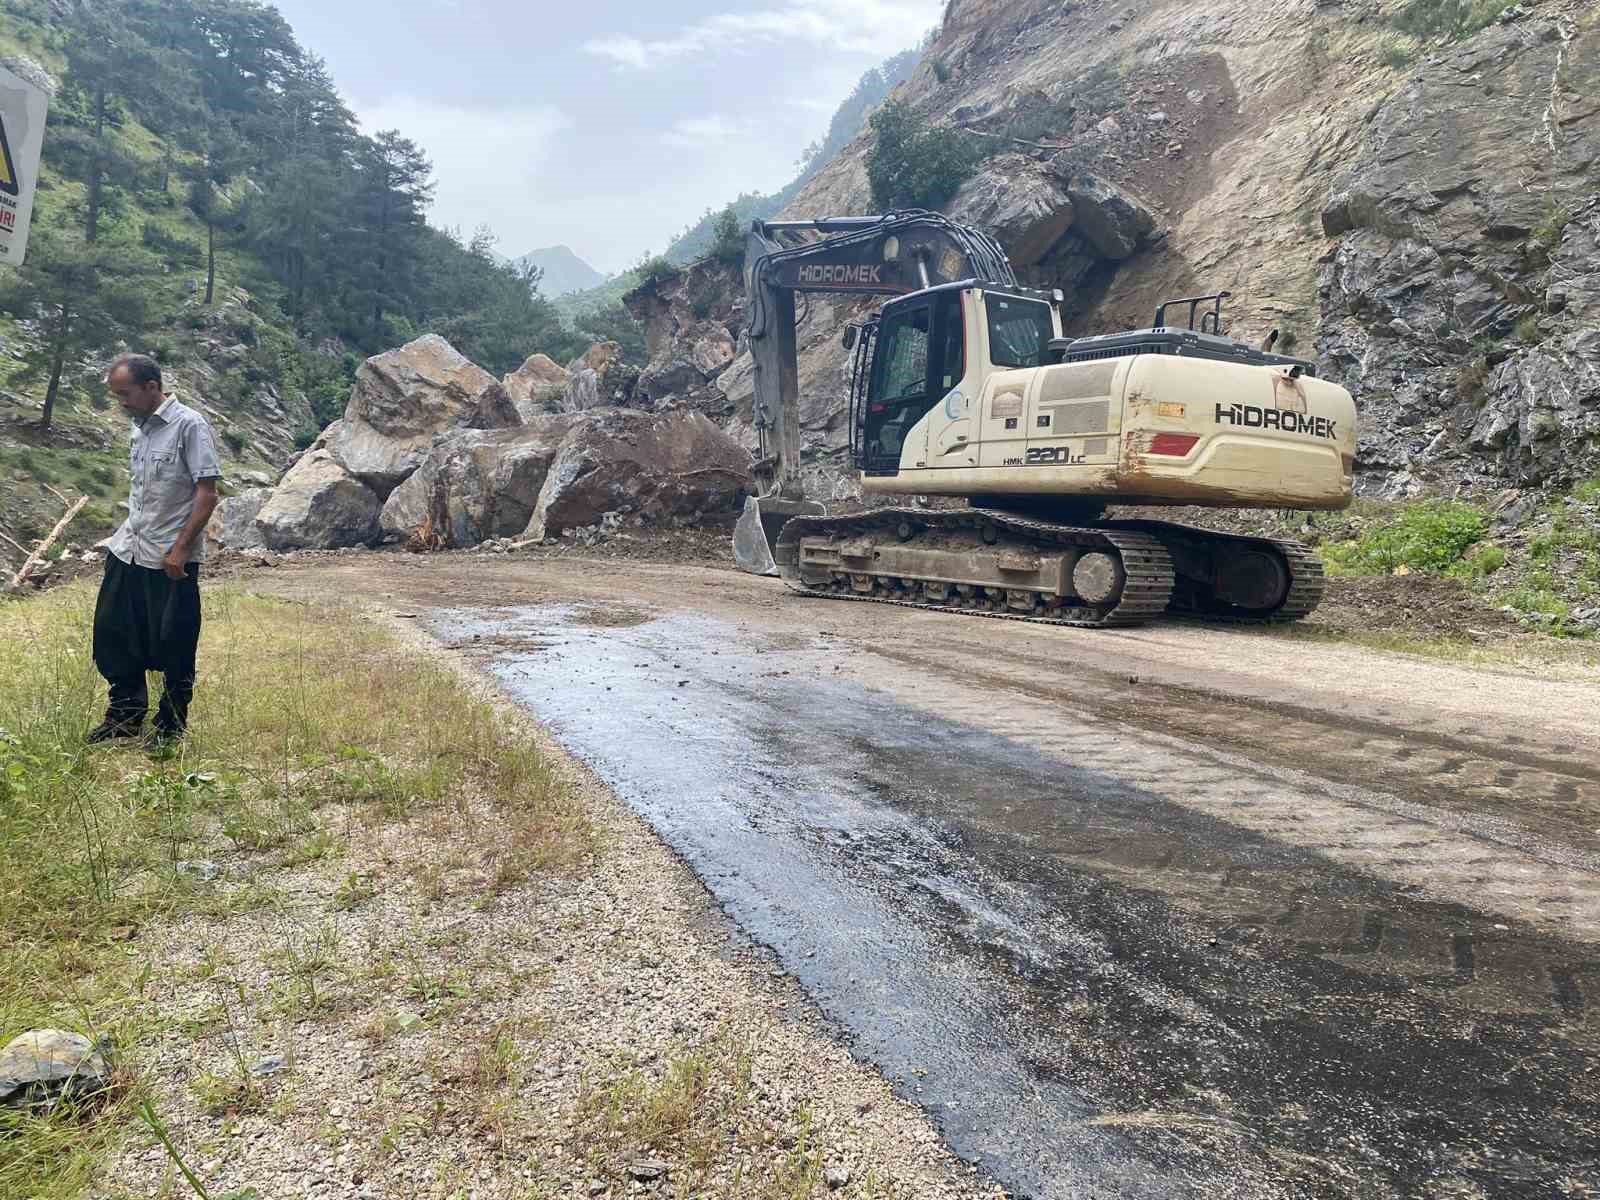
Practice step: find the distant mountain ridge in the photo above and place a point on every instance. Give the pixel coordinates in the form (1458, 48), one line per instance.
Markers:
(563, 271)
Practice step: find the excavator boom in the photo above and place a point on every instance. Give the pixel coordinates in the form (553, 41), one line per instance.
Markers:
(890, 255)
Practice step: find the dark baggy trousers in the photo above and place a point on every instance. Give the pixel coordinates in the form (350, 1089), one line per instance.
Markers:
(144, 621)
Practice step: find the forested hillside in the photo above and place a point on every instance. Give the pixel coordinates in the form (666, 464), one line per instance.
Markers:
(206, 194)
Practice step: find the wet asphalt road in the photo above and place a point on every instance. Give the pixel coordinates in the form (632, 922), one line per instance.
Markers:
(1105, 961)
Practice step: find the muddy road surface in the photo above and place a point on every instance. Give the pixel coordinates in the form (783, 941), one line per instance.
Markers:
(1166, 912)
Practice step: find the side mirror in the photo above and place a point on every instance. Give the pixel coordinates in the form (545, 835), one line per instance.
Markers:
(849, 338)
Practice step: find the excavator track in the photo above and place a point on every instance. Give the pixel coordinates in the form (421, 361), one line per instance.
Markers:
(1307, 579)
(1147, 551)
(1144, 594)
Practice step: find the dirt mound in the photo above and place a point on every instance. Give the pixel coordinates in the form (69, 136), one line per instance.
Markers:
(1413, 604)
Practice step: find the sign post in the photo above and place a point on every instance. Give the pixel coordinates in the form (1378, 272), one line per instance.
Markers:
(22, 113)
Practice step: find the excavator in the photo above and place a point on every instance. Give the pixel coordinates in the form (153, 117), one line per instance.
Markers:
(963, 386)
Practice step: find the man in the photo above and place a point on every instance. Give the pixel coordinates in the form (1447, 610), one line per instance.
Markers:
(148, 615)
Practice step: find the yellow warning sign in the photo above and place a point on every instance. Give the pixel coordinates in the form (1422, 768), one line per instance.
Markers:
(24, 106)
(9, 183)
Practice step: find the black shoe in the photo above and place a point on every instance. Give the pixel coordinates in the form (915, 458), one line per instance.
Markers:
(109, 731)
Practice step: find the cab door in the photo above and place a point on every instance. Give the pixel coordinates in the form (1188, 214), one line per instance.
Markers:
(898, 397)
(951, 440)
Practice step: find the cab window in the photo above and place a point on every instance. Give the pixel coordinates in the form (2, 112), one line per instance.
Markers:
(950, 363)
(1019, 331)
(904, 352)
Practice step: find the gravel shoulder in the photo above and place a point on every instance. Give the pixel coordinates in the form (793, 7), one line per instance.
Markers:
(398, 1023)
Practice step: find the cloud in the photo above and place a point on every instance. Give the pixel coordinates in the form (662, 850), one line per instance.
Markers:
(854, 26)
(486, 161)
(704, 133)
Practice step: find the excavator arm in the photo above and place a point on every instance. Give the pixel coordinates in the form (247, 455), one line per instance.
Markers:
(888, 255)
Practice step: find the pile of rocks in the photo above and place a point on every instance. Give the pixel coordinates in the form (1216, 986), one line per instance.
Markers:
(431, 442)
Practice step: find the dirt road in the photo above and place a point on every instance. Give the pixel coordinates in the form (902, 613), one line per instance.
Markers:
(1171, 911)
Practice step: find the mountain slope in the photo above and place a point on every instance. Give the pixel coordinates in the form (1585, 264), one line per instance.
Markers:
(1406, 191)
(563, 271)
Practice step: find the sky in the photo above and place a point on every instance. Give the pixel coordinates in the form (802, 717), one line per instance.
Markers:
(604, 125)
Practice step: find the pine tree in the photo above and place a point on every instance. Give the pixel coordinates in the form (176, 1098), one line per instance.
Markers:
(208, 198)
(393, 188)
(85, 296)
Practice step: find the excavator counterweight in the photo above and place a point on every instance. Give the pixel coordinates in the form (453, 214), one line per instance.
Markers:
(963, 386)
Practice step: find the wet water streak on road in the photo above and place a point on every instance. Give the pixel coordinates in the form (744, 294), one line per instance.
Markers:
(1092, 988)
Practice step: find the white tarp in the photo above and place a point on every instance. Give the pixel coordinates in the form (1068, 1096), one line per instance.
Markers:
(22, 112)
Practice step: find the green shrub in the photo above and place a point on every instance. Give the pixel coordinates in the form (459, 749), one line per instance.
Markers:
(1394, 54)
(1527, 329)
(1479, 564)
(1533, 598)
(727, 238)
(1448, 18)
(654, 269)
(912, 165)
(1547, 233)
(1543, 549)
(1432, 536)
(1588, 491)
(235, 440)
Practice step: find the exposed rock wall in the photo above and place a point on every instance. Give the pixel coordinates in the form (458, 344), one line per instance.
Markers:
(1460, 302)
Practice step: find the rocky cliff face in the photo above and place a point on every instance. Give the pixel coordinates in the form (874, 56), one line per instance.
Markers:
(1421, 217)
(1460, 300)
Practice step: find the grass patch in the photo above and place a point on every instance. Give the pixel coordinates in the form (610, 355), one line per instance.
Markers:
(1554, 659)
(1433, 536)
(700, 1108)
(309, 726)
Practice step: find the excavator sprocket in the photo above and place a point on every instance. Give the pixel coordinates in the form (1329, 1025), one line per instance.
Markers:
(1001, 564)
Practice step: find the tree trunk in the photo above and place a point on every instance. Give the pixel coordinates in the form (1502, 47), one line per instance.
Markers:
(211, 260)
(58, 362)
(96, 170)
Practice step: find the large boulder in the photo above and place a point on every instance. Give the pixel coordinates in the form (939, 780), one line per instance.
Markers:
(477, 484)
(405, 398)
(319, 505)
(1111, 219)
(538, 377)
(1019, 203)
(233, 525)
(661, 466)
(691, 322)
(599, 379)
(702, 351)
